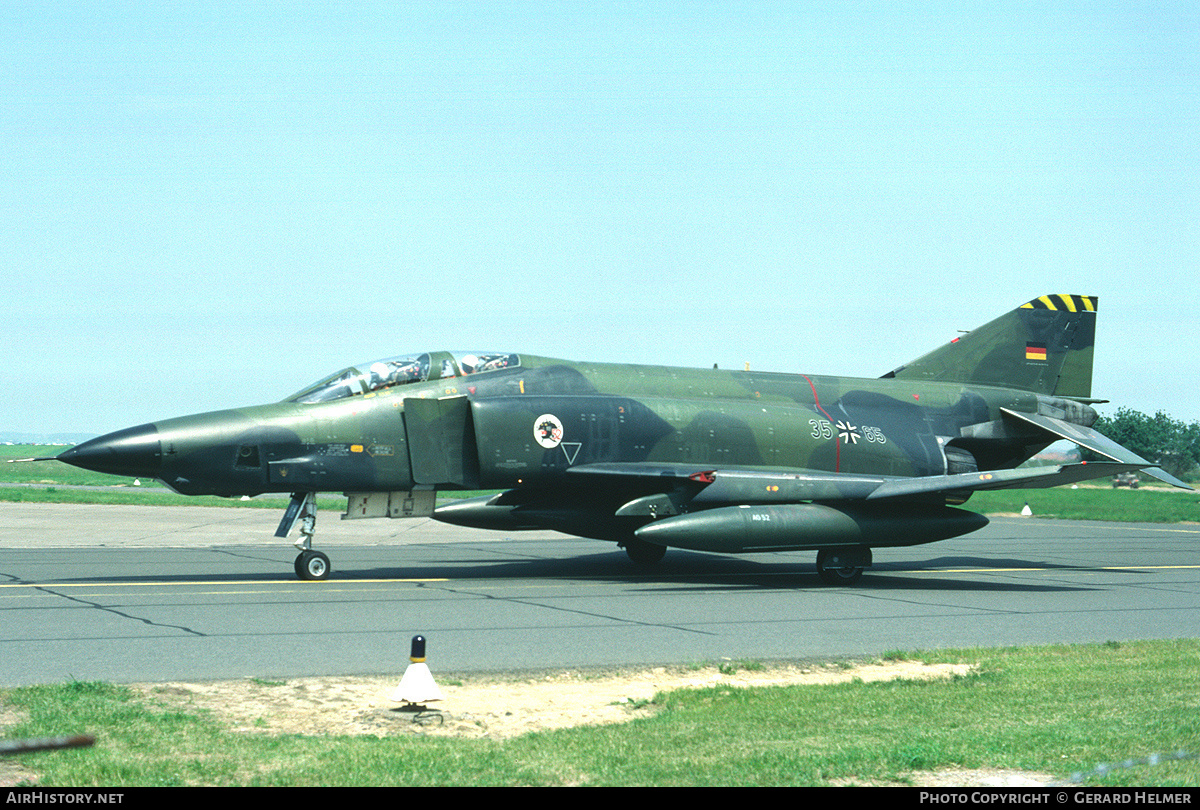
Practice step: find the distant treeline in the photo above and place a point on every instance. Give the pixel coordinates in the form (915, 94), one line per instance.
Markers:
(1169, 443)
(12, 437)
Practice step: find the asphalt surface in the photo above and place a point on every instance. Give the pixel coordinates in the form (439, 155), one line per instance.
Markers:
(128, 593)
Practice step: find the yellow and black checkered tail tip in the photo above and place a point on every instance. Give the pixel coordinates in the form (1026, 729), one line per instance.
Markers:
(1064, 303)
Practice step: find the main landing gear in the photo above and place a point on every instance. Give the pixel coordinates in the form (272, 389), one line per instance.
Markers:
(641, 552)
(310, 565)
(842, 566)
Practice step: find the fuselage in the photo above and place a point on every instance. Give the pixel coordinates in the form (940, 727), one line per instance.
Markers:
(524, 425)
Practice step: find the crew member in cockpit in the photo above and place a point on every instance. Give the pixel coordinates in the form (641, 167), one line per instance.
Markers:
(381, 375)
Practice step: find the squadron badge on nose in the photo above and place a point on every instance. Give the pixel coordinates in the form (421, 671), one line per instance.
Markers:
(548, 431)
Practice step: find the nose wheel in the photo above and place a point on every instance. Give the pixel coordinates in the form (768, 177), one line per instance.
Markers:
(312, 566)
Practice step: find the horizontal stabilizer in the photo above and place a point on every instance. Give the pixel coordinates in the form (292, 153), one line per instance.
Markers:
(1096, 442)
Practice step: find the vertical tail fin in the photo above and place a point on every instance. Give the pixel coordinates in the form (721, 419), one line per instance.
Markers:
(1044, 346)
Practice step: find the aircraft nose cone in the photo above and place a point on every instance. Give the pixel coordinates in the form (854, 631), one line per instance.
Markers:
(134, 451)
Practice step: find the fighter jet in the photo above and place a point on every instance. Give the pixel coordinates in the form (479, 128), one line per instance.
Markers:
(652, 457)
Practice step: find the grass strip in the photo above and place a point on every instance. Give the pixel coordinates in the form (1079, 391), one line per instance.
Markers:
(1054, 710)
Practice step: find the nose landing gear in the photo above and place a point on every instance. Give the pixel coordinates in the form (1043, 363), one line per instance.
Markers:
(310, 565)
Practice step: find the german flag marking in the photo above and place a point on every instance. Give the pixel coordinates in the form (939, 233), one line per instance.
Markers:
(1035, 351)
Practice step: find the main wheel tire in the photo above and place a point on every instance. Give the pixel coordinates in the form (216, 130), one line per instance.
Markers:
(312, 566)
(842, 566)
(643, 553)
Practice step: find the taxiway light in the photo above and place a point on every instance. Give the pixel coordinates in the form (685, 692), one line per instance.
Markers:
(417, 687)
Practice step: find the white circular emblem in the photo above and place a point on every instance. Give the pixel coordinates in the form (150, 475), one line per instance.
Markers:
(548, 430)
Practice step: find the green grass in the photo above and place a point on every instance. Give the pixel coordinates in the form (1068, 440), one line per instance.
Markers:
(1054, 710)
(148, 496)
(1147, 504)
(48, 472)
(57, 477)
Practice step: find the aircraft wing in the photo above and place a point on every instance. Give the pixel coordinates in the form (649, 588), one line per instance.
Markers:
(1020, 478)
(677, 485)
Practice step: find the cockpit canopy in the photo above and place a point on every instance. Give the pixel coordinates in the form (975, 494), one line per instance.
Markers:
(379, 374)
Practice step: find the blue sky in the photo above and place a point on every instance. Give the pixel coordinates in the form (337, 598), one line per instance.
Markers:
(210, 204)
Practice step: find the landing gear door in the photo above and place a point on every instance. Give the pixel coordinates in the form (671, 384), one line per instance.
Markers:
(441, 441)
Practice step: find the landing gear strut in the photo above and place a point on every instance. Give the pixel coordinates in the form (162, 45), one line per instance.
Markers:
(310, 565)
(842, 566)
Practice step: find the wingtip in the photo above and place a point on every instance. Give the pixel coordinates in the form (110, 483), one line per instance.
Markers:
(1167, 478)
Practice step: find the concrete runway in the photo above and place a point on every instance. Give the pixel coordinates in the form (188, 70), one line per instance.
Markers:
(128, 593)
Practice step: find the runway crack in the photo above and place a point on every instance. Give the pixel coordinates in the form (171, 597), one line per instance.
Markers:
(123, 615)
(589, 613)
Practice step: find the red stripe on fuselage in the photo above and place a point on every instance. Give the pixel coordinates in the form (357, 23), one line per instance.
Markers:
(837, 467)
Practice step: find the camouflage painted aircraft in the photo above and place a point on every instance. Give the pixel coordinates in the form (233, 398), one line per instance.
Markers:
(654, 457)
